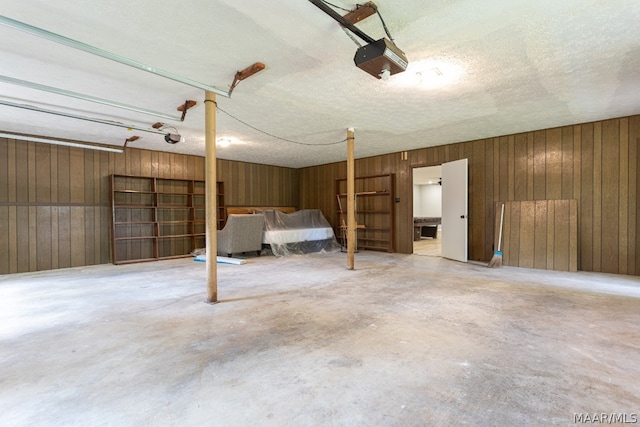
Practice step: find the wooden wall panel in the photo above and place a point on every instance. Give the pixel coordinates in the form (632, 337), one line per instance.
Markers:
(45, 190)
(54, 200)
(610, 185)
(4, 237)
(592, 163)
(633, 256)
(541, 234)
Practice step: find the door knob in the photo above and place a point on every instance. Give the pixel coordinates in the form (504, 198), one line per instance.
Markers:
(462, 216)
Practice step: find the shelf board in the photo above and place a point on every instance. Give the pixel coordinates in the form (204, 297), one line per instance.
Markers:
(134, 207)
(135, 223)
(134, 238)
(134, 191)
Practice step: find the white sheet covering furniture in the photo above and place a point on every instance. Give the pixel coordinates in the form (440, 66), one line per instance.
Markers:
(303, 231)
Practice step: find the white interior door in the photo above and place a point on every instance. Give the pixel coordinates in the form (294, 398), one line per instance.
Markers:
(454, 210)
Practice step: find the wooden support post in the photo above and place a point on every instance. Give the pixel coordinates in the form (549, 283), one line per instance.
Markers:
(211, 197)
(351, 205)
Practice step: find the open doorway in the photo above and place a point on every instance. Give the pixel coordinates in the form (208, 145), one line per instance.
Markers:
(427, 211)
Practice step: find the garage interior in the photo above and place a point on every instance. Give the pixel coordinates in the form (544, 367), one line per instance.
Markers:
(541, 101)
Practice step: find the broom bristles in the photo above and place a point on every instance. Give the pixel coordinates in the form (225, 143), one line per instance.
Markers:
(496, 261)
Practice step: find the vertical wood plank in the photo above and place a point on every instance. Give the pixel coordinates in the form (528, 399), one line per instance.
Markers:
(539, 166)
(145, 163)
(31, 166)
(33, 237)
(610, 157)
(90, 235)
(520, 167)
(530, 165)
(43, 173)
(43, 238)
(4, 235)
(54, 237)
(597, 196)
(53, 177)
(12, 226)
(623, 197)
(553, 164)
(512, 169)
(22, 172)
(527, 234)
(514, 234)
(506, 234)
(577, 182)
(11, 170)
(64, 237)
(562, 238)
(540, 239)
(77, 236)
(567, 163)
(586, 201)
(76, 176)
(22, 229)
(633, 264)
(503, 164)
(573, 235)
(64, 175)
(551, 234)
(4, 171)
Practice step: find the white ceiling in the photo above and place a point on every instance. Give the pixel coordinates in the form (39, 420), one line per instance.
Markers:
(507, 66)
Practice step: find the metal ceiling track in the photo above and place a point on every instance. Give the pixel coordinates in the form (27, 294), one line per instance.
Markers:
(63, 92)
(74, 116)
(39, 32)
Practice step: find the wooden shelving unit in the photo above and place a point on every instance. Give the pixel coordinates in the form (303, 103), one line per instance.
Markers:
(158, 218)
(374, 211)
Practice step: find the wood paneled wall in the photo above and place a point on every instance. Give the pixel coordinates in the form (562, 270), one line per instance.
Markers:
(594, 163)
(54, 200)
(540, 234)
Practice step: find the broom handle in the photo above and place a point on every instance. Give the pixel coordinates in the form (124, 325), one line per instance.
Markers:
(500, 235)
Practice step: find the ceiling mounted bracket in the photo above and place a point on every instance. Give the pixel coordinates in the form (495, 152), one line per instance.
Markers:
(245, 74)
(361, 12)
(187, 104)
(131, 139)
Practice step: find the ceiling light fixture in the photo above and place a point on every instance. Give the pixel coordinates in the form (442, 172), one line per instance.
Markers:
(171, 138)
(58, 142)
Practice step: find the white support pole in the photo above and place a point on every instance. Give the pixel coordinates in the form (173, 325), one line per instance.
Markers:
(351, 208)
(211, 197)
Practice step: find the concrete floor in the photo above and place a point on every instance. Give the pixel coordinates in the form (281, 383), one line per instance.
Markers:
(404, 340)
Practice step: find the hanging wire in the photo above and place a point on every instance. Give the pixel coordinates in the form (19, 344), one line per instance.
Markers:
(386, 30)
(276, 136)
(336, 6)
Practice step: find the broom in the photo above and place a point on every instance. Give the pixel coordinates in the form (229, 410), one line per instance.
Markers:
(496, 261)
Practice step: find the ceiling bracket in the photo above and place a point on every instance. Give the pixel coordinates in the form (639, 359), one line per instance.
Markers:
(131, 139)
(245, 74)
(187, 104)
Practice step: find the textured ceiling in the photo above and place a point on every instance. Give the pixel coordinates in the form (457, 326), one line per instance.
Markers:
(504, 66)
